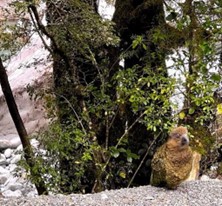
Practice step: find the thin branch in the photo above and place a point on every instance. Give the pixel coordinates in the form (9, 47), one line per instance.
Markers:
(32, 8)
(130, 127)
(77, 116)
(142, 161)
(40, 35)
(121, 138)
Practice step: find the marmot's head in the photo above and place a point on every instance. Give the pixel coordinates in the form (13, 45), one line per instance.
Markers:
(178, 138)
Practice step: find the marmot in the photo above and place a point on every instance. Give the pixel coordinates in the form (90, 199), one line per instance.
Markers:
(172, 162)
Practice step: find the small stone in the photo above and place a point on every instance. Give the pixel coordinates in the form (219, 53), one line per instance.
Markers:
(2, 160)
(16, 158)
(32, 194)
(19, 149)
(8, 153)
(104, 196)
(12, 167)
(9, 193)
(3, 179)
(11, 180)
(149, 198)
(14, 187)
(35, 143)
(3, 170)
(213, 167)
(204, 178)
(11, 142)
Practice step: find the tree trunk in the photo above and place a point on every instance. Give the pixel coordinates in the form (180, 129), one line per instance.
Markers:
(28, 153)
(131, 18)
(139, 18)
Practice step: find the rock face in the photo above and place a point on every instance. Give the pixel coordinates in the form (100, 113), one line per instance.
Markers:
(29, 67)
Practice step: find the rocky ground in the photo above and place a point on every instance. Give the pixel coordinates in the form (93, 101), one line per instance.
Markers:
(195, 193)
(13, 179)
(16, 190)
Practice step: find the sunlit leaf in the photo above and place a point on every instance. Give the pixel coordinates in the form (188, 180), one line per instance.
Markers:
(191, 110)
(219, 109)
(122, 174)
(182, 115)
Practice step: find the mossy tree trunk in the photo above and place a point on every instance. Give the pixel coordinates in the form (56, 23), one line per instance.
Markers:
(75, 71)
(134, 18)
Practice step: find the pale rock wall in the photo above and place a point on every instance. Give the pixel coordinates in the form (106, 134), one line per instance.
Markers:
(30, 66)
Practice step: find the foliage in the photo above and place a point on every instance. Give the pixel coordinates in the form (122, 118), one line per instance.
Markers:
(15, 30)
(198, 65)
(100, 109)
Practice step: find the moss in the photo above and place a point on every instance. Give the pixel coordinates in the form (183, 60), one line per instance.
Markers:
(201, 139)
(219, 170)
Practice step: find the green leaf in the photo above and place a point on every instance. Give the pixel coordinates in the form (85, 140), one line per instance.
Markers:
(216, 77)
(191, 110)
(122, 174)
(122, 150)
(182, 115)
(144, 46)
(129, 159)
(115, 154)
(219, 109)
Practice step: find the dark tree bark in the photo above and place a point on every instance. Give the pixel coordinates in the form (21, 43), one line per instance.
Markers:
(71, 75)
(132, 18)
(28, 153)
(139, 18)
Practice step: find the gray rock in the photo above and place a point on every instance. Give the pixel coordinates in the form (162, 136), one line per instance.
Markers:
(12, 167)
(3, 179)
(8, 153)
(35, 143)
(16, 158)
(9, 142)
(104, 196)
(11, 180)
(9, 193)
(31, 194)
(3, 170)
(14, 187)
(2, 160)
(204, 178)
(19, 149)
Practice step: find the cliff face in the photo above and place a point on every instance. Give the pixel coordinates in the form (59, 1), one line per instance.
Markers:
(29, 67)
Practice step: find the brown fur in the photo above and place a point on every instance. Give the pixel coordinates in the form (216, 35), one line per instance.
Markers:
(172, 162)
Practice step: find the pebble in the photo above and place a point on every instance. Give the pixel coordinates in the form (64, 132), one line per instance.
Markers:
(2, 159)
(8, 153)
(104, 196)
(3, 179)
(9, 193)
(11, 183)
(12, 143)
(16, 159)
(204, 178)
(3, 170)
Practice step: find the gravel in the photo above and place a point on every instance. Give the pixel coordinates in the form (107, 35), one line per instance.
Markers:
(187, 194)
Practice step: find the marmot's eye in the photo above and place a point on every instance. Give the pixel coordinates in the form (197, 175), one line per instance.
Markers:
(177, 136)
